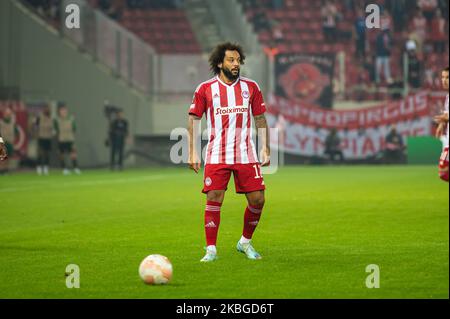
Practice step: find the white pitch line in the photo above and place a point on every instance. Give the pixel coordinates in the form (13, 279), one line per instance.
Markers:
(83, 183)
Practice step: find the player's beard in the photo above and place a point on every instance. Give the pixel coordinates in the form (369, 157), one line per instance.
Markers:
(229, 74)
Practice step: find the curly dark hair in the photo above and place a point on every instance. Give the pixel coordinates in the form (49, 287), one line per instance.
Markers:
(218, 54)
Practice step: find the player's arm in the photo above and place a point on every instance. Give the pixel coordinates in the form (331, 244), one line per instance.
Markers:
(3, 153)
(196, 111)
(194, 160)
(261, 123)
(441, 118)
(258, 110)
(442, 121)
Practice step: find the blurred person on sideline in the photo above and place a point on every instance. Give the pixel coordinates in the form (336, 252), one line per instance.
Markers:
(65, 128)
(9, 131)
(118, 135)
(45, 132)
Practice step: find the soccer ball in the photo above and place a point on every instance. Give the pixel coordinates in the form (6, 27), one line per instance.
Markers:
(155, 270)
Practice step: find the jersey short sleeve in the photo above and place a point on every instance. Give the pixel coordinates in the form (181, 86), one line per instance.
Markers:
(258, 106)
(198, 106)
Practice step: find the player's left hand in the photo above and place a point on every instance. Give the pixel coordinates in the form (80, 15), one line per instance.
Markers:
(3, 153)
(265, 157)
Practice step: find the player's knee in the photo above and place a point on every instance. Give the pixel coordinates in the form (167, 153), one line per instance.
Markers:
(215, 196)
(257, 201)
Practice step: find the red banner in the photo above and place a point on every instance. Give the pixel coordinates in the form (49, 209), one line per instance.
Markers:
(391, 112)
(362, 131)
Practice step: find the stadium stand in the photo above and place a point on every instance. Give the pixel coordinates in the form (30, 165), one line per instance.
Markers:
(297, 26)
(162, 24)
(287, 26)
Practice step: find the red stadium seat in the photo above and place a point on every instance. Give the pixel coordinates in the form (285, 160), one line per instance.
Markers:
(294, 15)
(284, 48)
(298, 48)
(162, 28)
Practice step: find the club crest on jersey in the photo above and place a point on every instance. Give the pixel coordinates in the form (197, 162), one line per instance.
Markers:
(208, 181)
(231, 110)
(245, 94)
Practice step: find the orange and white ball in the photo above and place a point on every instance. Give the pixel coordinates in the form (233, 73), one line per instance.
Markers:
(155, 270)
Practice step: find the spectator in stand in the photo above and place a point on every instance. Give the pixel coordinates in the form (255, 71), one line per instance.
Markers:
(398, 9)
(386, 19)
(360, 34)
(428, 78)
(329, 15)
(277, 31)
(114, 8)
(47, 8)
(438, 32)
(53, 10)
(260, 21)
(428, 7)
(414, 65)
(432, 72)
(419, 31)
(383, 47)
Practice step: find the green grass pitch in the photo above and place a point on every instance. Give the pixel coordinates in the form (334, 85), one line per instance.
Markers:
(320, 228)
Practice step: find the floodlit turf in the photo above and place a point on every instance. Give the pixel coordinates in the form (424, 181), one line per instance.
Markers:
(320, 228)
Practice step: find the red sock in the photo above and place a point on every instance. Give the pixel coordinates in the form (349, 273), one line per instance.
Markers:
(212, 222)
(251, 219)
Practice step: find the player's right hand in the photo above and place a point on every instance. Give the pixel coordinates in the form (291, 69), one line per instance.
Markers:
(194, 163)
(3, 153)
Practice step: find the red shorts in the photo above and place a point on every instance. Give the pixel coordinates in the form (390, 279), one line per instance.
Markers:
(443, 165)
(247, 177)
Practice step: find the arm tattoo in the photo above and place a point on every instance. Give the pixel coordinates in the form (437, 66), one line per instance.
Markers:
(261, 123)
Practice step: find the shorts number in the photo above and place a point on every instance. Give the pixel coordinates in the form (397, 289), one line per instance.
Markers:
(257, 172)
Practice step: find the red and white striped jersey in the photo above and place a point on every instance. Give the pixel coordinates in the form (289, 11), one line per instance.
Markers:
(229, 113)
